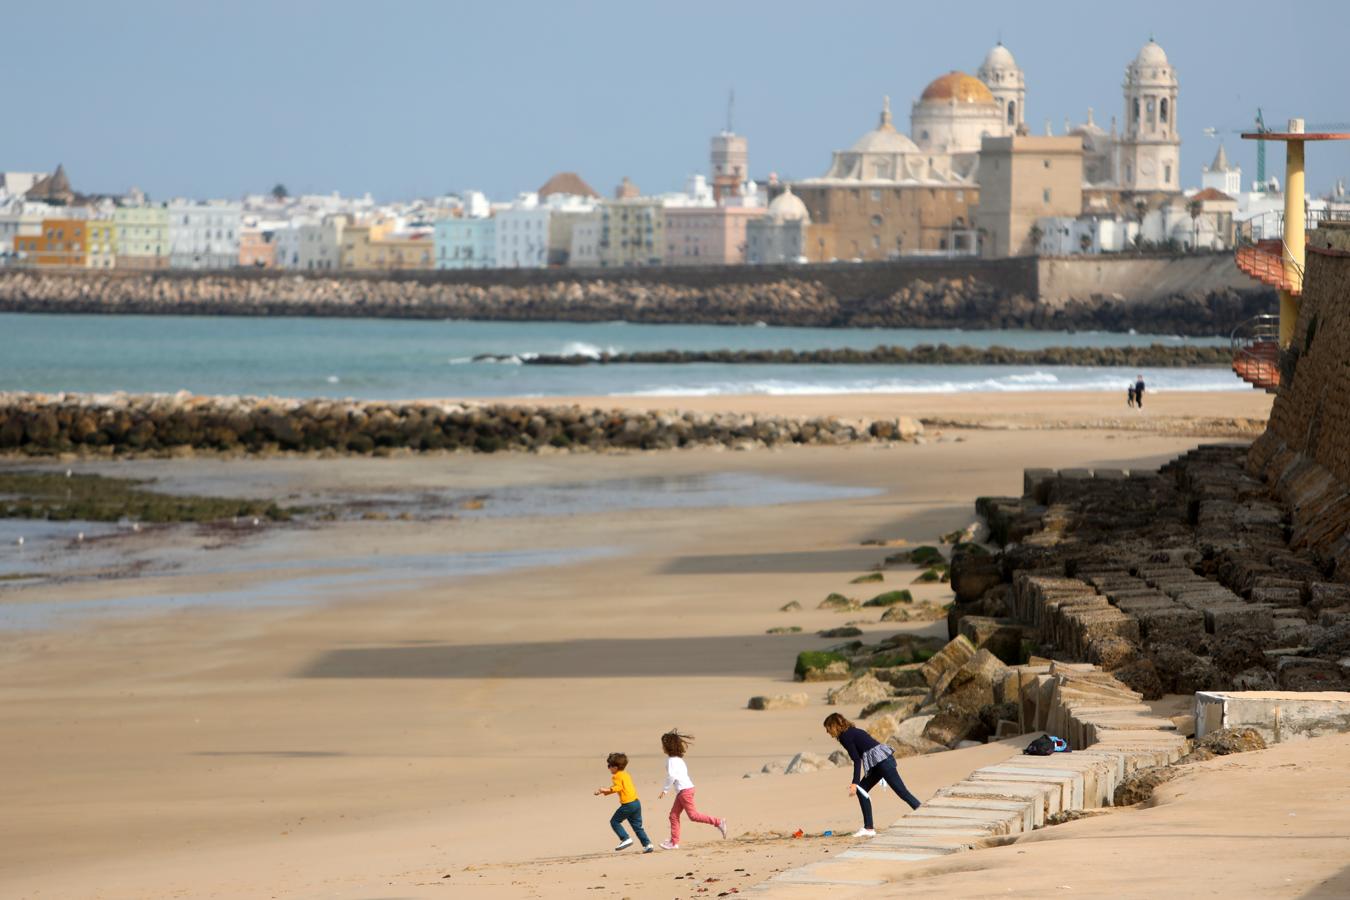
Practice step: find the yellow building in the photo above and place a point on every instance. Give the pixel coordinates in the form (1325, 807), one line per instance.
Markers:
(377, 246)
(632, 232)
(1022, 179)
(102, 244)
(142, 237)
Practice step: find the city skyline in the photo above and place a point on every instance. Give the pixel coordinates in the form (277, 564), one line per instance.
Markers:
(322, 97)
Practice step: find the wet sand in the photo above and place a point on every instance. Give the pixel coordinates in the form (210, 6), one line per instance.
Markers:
(401, 735)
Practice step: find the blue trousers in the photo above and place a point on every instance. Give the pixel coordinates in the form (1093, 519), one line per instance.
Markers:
(884, 770)
(632, 812)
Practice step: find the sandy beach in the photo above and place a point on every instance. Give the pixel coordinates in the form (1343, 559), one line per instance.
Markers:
(377, 718)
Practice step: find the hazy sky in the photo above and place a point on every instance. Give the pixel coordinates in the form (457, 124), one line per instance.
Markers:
(415, 98)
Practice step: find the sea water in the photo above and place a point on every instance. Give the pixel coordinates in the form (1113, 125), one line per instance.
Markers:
(397, 359)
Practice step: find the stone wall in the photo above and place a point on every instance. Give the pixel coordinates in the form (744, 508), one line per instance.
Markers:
(967, 293)
(1139, 278)
(109, 425)
(1305, 452)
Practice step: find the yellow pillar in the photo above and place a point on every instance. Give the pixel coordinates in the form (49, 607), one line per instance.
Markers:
(1294, 255)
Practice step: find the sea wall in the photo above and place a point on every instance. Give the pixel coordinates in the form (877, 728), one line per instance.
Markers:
(966, 293)
(1305, 452)
(1154, 356)
(1061, 280)
(109, 425)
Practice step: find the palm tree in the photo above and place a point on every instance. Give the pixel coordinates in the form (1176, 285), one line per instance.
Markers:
(279, 191)
(1085, 243)
(1035, 234)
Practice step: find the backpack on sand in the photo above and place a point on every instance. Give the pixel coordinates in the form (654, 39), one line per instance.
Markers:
(1045, 745)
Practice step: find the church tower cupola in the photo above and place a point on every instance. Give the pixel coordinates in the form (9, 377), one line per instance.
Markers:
(1008, 84)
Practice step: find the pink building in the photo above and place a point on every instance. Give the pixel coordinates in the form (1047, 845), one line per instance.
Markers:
(707, 235)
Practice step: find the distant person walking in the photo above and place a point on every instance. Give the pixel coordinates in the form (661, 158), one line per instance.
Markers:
(873, 763)
(1129, 395)
(1139, 391)
(676, 746)
(630, 807)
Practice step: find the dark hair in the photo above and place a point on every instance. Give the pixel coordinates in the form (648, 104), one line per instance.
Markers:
(674, 743)
(617, 760)
(836, 724)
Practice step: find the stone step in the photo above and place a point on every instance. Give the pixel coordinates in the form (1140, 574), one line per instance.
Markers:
(1030, 815)
(1048, 796)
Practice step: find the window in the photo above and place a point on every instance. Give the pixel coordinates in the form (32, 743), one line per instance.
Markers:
(1162, 110)
(1012, 112)
(876, 195)
(1045, 195)
(1045, 163)
(1136, 110)
(876, 221)
(1167, 171)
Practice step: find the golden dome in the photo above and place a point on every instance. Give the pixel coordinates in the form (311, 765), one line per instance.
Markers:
(957, 86)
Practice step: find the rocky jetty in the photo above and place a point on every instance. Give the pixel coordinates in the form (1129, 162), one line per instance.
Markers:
(1185, 579)
(738, 296)
(1154, 356)
(113, 424)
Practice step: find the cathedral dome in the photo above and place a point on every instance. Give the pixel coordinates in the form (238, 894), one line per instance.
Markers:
(788, 207)
(884, 138)
(958, 87)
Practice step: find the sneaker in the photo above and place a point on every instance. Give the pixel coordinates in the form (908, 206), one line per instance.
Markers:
(648, 848)
(865, 832)
(667, 845)
(722, 826)
(624, 844)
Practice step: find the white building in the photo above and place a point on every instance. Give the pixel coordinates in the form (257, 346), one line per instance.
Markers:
(286, 243)
(19, 218)
(522, 234)
(1221, 176)
(585, 248)
(204, 235)
(321, 243)
(780, 235)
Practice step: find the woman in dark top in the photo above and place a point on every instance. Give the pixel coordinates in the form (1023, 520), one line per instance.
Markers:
(872, 763)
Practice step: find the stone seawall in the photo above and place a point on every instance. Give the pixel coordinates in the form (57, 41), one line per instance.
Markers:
(41, 425)
(909, 294)
(1154, 356)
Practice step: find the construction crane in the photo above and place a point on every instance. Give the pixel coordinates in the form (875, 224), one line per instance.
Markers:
(1262, 128)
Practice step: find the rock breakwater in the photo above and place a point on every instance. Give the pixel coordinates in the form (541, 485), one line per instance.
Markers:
(38, 425)
(885, 298)
(1154, 356)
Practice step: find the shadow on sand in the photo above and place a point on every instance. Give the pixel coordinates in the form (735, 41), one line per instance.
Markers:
(756, 655)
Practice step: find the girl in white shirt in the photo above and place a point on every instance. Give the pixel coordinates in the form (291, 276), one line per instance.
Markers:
(677, 779)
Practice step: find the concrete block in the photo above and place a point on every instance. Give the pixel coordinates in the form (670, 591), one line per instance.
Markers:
(1069, 783)
(1220, 620)
(1025, 811)
(1047, 796)
(1280, 716)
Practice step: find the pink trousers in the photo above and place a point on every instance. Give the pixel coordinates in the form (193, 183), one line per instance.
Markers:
(684, 803)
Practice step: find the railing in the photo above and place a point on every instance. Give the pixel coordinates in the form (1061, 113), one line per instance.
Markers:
(1256, 352)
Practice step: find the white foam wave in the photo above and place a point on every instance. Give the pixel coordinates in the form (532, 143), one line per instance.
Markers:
(1006, 384)
(1034, 378)
(581, 348)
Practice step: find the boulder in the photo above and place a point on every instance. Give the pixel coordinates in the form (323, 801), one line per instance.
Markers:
(893, 706)
(975, 685)
(820, 665)
(790, 606)
(1111, 652)
(866, 688)
(869, 578)
(973, 574)
(907, 676)
(946, 661)
(807, 762)
(778, 701)
(951, 725)
(838, 602)
(890, 598)
(1001, 637)
(841, 632)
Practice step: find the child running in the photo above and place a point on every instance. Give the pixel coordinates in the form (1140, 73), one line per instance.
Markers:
(630, 807)
(677, 779)
(872, 763)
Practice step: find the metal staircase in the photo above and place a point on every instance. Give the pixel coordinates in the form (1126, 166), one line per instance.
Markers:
(1256, 352)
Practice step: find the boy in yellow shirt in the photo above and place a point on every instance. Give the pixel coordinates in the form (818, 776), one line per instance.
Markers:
(630, 808)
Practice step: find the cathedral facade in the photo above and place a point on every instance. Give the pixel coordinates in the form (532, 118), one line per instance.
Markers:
(894, 193)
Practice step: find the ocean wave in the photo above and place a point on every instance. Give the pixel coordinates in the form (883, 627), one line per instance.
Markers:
(581, 348)
(1034, 378)
(1006, 384)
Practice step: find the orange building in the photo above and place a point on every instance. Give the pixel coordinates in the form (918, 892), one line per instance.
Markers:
(257, 249)
(63, 242)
